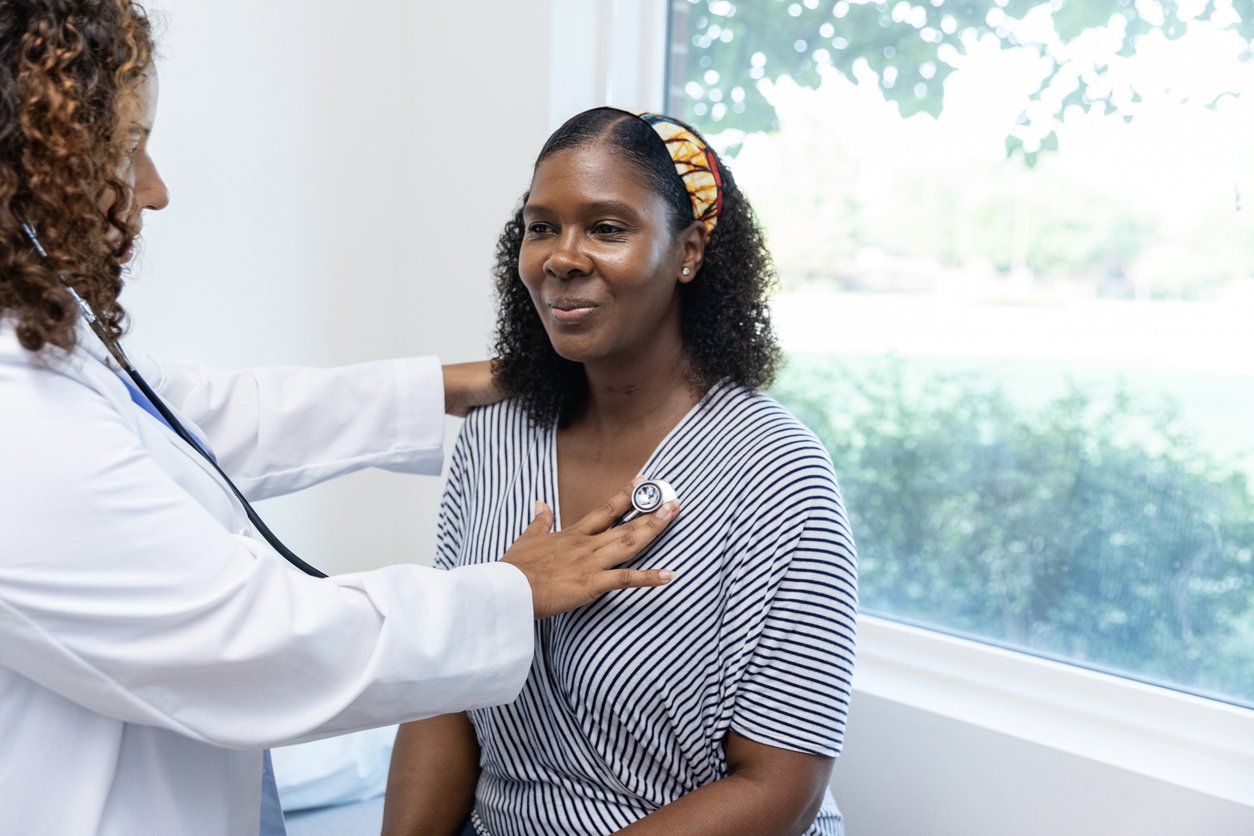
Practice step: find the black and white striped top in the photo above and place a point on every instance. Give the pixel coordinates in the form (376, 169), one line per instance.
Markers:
(630, 698)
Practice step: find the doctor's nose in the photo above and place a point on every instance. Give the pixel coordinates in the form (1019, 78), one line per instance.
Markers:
(150, 188)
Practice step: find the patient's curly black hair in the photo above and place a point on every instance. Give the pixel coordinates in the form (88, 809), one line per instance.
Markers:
(724, 319)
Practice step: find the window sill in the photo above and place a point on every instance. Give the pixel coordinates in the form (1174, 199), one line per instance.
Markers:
(1188, 741)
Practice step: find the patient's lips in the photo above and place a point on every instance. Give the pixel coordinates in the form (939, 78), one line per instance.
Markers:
(570, 311)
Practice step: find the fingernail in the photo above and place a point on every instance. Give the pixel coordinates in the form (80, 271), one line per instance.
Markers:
(638, 481)
(666, 575)
(668, 511)
(537, 508)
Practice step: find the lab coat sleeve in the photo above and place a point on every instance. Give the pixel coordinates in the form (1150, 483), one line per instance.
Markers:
(278, 430)
(120, 592)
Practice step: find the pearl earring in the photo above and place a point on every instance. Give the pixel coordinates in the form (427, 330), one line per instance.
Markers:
(686, 271)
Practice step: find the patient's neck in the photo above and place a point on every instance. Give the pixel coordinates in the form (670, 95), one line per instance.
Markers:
(656, 392)
(629, 411)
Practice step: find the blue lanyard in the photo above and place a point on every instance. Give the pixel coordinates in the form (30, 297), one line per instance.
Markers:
(141, 400)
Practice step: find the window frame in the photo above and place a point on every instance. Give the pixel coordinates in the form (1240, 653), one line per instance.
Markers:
(624, 42)
(1186, 740)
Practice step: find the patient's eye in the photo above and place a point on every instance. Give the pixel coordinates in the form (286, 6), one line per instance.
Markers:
(608, 228)
(539, 228)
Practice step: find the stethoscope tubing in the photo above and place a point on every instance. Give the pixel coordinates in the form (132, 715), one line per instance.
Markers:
(253, 517)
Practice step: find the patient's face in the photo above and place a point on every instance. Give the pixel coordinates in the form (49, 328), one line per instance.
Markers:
(600, 259)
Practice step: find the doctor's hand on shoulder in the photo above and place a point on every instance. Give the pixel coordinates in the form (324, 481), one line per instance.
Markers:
(467, 385)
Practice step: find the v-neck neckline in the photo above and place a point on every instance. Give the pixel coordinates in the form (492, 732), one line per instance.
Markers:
(649, 462)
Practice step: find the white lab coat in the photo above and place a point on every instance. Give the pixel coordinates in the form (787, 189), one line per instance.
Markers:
(151, 646)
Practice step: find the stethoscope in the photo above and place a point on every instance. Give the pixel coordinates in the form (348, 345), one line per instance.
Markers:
(182, 432)
(647, 497)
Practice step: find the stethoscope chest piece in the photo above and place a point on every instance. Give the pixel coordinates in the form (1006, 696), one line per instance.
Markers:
(646, 498)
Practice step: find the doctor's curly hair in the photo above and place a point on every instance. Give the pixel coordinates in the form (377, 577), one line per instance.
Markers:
(67, 70)
(724, 319)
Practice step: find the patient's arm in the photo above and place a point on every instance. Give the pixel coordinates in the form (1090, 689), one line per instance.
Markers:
(431, 784)
(769, 791)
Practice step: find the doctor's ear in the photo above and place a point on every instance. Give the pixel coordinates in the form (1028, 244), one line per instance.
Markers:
(692, 243)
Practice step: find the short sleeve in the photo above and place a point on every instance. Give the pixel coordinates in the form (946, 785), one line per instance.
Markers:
(454, 502)
(795, 689)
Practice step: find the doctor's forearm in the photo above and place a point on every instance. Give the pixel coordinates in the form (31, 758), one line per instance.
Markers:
(467, 385)
(282, 429)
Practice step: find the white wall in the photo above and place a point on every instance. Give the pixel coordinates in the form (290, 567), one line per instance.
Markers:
(339, 173)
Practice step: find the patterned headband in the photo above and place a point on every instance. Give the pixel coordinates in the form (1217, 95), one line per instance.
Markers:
(696, 166)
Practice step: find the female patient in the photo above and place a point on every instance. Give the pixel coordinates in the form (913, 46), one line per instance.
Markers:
(633, 333)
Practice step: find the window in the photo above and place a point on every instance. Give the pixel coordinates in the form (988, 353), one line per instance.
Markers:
(1017, 285)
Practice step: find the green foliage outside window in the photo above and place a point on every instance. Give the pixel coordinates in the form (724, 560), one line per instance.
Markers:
(1095, 529)
(1098, 525)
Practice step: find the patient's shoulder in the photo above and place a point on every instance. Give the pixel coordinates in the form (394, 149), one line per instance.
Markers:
(759, 430)
(503, 416)
(493, 435)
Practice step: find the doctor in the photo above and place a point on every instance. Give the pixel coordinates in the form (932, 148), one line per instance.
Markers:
(151, 645)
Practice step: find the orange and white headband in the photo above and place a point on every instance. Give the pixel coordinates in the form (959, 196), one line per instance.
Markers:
(696, 166)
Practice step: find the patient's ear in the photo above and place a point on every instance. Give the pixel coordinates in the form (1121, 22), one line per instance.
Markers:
(692, 249)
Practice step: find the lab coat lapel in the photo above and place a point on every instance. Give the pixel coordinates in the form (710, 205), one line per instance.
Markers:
(97, 370)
